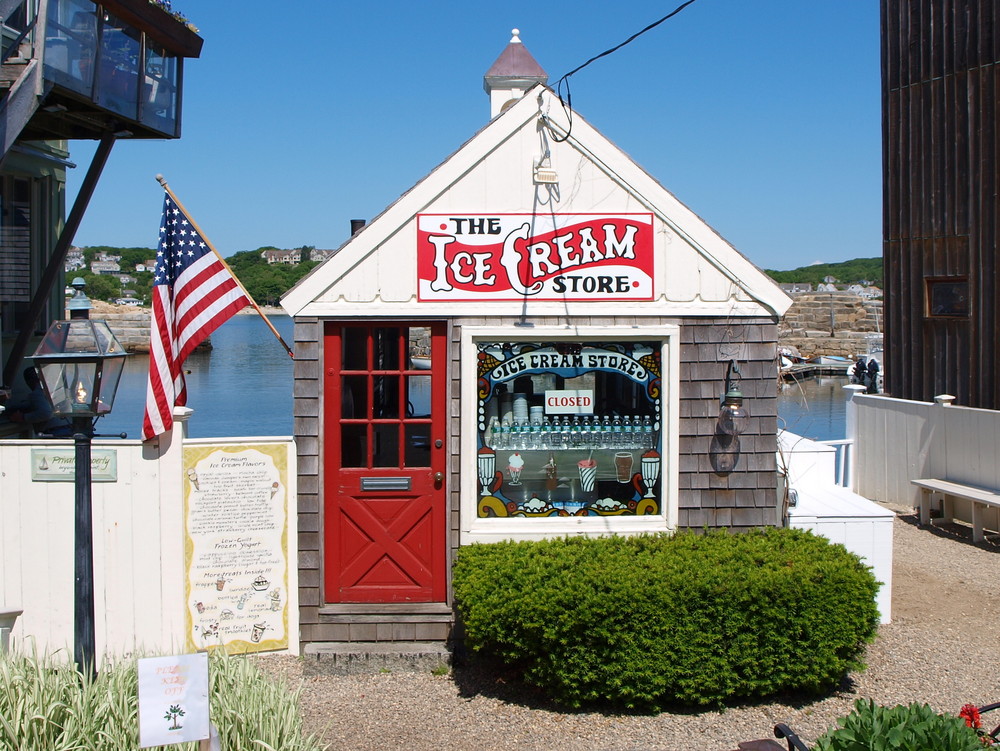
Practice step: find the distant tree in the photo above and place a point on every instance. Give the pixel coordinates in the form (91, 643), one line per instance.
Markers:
(848, 272)
(101, 286)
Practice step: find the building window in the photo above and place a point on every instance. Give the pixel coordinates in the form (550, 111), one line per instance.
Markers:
(569, 428)
(947, 297)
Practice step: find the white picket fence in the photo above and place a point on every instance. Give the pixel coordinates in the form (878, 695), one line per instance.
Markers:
(139, 556)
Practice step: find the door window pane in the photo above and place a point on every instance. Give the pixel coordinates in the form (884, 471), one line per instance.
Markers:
(385, 348)
(353, 445)
(419, 341)
(386, 445)
(355, 348)
(418, 396)
(418, 445)
(354, 398)
(385, 396)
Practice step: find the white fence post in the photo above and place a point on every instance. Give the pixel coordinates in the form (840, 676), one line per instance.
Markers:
(851, 430)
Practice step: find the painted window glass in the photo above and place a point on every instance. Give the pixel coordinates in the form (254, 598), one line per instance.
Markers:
(569, 429)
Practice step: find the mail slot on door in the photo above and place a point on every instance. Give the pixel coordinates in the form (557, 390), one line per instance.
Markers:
(385, 483)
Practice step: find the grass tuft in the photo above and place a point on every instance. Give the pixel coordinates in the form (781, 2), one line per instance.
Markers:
(45, 704)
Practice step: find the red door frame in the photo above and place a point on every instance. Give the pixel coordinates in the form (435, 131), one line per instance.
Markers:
(385, 527)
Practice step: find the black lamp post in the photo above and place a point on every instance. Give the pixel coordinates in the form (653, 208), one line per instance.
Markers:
(80, 363)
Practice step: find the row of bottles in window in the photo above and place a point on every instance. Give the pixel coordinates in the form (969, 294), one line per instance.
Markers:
(576, 431)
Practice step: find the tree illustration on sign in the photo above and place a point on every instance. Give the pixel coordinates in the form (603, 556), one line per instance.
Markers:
(173, 713)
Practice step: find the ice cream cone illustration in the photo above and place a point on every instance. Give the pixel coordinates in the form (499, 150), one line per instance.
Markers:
(193, 477)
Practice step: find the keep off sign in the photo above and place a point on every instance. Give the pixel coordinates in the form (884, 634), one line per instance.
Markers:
(555, 257)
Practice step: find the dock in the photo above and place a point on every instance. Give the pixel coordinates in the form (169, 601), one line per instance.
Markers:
(798, 371)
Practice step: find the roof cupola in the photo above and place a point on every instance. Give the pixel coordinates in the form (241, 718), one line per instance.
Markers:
(511, 75)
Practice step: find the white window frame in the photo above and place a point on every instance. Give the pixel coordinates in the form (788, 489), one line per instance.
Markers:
(475, 529)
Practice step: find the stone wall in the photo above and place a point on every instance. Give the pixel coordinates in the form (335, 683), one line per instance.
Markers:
(830, 323)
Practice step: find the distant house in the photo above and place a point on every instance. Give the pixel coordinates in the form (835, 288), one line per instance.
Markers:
(796, 288)
(866, 291)
(105, 267)
(826, 286)
(74, 259)
(317, 254)
(281, 256)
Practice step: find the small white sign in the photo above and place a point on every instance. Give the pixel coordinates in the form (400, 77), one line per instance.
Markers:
(569, 402)
(173, 699)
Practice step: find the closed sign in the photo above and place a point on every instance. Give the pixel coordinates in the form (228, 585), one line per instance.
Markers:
(569, 402)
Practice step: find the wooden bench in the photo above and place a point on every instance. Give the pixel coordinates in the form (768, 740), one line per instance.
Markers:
(980, 498)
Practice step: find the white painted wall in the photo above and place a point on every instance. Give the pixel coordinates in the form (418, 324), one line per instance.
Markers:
(139, 571)
(837, 513)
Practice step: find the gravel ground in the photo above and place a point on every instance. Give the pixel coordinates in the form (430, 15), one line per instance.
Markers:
(941, 648)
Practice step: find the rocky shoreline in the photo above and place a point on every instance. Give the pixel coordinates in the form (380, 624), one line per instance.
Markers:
(830, 323)
(130, 323)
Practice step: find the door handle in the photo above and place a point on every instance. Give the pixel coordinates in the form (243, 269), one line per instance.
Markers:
(438, 479)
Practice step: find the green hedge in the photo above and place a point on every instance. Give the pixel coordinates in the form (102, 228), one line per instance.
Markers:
(916, 727)
(642, 622)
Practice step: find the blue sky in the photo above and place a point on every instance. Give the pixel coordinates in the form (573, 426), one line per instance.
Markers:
(763, 117)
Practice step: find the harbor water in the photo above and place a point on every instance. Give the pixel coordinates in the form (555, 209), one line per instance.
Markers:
(243, 387)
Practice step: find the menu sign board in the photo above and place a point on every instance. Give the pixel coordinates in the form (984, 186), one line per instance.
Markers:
(554, 257)
(237, 546)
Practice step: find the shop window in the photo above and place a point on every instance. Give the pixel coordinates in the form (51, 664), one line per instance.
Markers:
(569, 429)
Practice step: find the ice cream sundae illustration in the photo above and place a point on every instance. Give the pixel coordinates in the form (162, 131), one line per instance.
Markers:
(487, 465)
(514, 466)
(650, 471)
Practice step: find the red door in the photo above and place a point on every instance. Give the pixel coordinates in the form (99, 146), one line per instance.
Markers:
(384, 452)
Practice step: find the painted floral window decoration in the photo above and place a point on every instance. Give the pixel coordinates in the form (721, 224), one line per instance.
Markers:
(970, 713)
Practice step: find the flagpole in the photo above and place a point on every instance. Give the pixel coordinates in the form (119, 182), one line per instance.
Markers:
(162, 181)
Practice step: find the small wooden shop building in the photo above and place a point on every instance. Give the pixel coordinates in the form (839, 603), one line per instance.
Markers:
(534, 340)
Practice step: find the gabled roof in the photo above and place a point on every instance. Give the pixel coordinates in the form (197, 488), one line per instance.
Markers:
(698, 272)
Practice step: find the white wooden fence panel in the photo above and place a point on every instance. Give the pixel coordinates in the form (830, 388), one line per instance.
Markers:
(898, 441)
(139, 568)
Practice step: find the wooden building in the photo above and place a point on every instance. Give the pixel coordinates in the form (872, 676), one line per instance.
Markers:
(70, 70)
(532, 341)
(941, 202)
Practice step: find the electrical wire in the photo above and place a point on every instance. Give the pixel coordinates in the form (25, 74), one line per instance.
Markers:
(567, 102)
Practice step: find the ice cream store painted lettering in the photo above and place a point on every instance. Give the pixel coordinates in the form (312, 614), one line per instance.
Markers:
(532, 341)
(544, 257)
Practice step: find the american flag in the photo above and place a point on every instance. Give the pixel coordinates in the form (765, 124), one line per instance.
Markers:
(193, 294)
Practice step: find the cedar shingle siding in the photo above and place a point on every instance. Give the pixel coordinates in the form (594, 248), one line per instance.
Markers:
(746, 498)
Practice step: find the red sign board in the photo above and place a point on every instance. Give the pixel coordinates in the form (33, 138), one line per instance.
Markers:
(554, 257)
